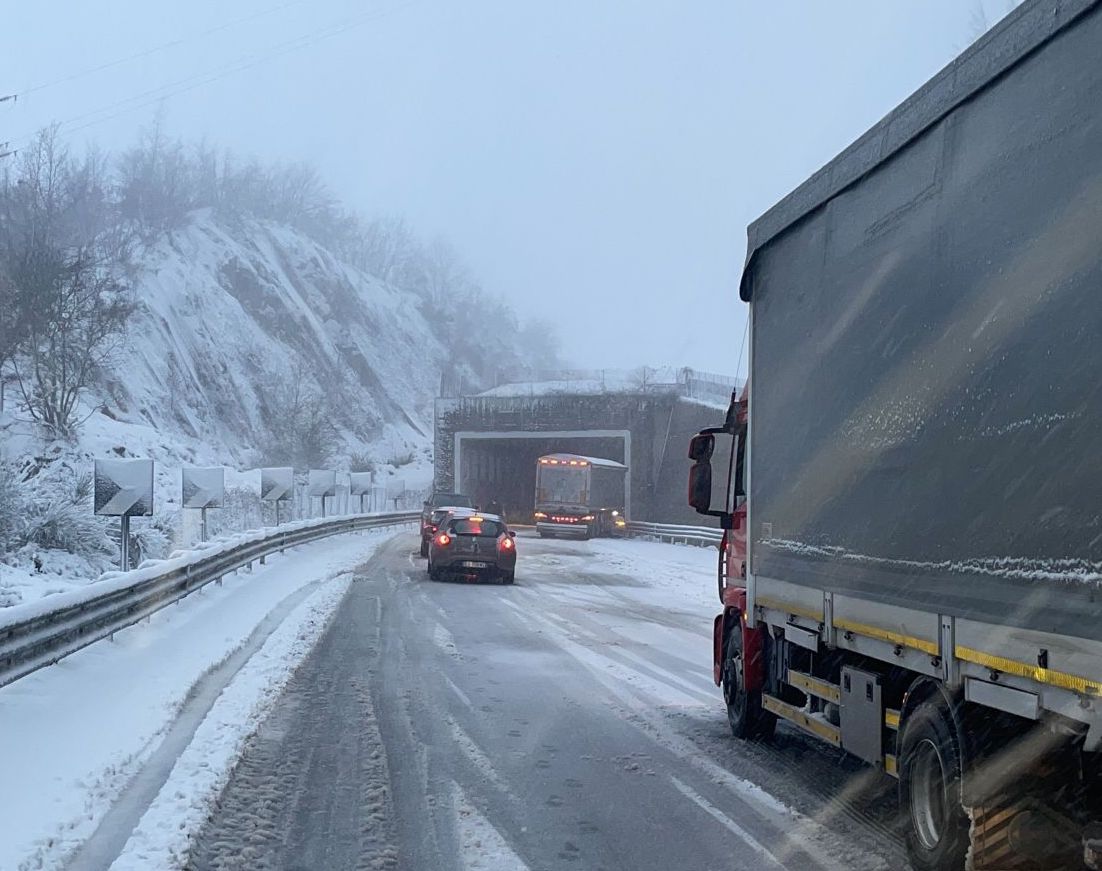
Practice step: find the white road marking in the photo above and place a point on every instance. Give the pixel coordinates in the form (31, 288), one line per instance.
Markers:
(455, 689)
(473, 752)
(725, 821)
(481, 846)
(443, 639)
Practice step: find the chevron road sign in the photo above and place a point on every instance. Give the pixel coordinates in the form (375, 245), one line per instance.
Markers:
(202, 488)
(360, 483)
(277, 484)
(124, 488)
(322, 483)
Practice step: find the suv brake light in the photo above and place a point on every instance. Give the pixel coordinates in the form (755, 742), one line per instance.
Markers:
(443, 539)
(506, 544)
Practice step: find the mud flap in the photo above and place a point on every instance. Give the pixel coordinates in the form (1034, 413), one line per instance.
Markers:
(1026, 834)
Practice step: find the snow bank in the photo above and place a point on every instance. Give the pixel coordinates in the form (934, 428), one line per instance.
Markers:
(162, 838)
(75, 734)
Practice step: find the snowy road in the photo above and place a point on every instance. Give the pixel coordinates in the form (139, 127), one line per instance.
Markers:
(159, 713)
(569, 721)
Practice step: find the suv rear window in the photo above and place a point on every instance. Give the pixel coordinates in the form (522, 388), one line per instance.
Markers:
(483, 528)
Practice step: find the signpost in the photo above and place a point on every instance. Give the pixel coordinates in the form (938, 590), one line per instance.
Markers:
(322, 483)
(124, 489)
(395, 490)
(277, 484)
(202, 489)
(360, 485)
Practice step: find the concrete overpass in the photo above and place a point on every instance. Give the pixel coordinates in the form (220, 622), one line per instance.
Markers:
(486, 445)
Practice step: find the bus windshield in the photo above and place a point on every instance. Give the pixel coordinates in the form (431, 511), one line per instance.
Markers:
(562, 485)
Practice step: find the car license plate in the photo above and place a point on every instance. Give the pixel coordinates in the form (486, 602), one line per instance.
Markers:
(473, 564)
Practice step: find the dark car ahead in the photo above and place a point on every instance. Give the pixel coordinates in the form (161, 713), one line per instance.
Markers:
(474, 546)
(437, 507)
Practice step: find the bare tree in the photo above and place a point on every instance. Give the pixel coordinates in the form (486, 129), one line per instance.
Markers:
(154, 185)
(10, 319)
(443, 275)
(301, 432)
(386, 248)
(539, 339)
(70, 305)
(298, 194)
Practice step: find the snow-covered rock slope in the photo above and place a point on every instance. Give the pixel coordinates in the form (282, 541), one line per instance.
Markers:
(236, 312)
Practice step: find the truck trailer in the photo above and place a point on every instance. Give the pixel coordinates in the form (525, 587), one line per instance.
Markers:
(580, 497)
(911, 485)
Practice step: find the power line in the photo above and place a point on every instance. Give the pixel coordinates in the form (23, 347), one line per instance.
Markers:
(157, 48)
(189, 83)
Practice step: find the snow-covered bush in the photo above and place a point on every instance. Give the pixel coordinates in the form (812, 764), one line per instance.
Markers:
(49, 513)
(11, 507)
(241, 510)
(59, 523)
(152, 541)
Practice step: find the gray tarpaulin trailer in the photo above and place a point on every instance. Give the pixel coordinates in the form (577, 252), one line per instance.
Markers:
(925, 451)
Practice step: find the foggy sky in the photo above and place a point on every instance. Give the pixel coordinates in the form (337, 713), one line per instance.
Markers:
(596, 161)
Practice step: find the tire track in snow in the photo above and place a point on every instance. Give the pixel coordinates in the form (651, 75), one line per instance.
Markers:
(109, 838)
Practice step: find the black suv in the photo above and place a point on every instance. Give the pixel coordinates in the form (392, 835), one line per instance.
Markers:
(437, 502)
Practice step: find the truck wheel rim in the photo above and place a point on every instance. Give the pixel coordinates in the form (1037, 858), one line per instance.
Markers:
(927, 794)
(732, 683)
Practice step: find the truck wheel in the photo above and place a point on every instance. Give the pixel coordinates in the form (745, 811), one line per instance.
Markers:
(507, 577)
(937, 827)
(424, 548)
(744, 711)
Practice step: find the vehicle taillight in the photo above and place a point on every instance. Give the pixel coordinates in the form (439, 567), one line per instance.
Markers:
(443, 539)
(507, 544)
(588, 517)
(540, 515)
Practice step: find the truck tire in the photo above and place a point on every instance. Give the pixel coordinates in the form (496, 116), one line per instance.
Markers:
(508, 577)
(930, 770)
(748, 719)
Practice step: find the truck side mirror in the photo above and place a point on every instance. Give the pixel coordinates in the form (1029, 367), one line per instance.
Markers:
(700, 486)
(701, 446)
(711, 475)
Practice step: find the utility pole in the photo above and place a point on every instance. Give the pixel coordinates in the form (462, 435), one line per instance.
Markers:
(4, 150)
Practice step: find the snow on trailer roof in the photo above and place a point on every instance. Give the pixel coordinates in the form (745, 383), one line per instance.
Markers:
(593, 461)
(1011, 41)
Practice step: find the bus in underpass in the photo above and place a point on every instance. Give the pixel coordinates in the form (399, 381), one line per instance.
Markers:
(579, 496)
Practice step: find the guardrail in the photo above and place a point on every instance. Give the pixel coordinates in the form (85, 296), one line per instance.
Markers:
(46, 632)
(703, 536)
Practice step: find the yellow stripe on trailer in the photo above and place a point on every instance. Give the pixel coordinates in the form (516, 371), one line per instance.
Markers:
(891, 637)
(814, 686)
(789, 608)
(1034, 672)
(891, 718)
(819, 728)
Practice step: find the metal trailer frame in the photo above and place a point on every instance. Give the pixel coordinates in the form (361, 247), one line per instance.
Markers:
(1022, 670)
